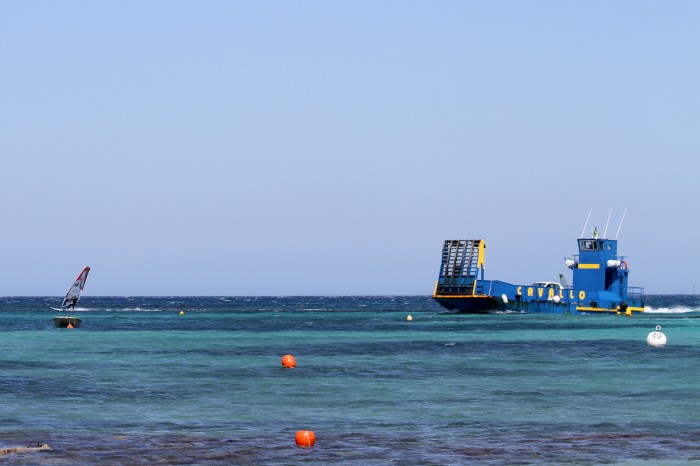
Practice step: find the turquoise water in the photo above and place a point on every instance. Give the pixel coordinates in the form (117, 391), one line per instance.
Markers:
(138, 383)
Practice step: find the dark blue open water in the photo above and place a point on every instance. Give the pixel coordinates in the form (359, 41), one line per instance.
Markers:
(139, 383)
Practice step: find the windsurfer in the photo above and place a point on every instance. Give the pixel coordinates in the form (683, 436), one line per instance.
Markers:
(73, 302)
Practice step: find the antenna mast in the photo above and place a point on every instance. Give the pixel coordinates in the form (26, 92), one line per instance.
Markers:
(623, 219)
(605, 233)
(587, 218)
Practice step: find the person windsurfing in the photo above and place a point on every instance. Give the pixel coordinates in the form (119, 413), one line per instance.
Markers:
(73, 295)
(69, 302)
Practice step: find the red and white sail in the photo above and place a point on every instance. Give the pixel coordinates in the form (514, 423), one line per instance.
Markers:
(73, 294)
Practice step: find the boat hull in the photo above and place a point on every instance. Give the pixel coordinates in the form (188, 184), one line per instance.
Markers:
(469, 304)
(62, 322)
(486, 304)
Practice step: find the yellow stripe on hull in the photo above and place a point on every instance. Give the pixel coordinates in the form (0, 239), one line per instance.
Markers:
(605, 309)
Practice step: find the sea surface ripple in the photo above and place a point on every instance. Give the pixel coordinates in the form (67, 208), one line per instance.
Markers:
(141, 383)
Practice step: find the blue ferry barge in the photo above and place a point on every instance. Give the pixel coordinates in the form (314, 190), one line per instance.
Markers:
(599, 283)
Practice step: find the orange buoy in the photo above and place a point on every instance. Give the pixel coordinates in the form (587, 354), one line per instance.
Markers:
(305, 438)
(288, 361)
(69, 325)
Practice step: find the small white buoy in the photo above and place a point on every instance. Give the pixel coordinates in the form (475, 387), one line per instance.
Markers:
(556, 299)
(409, 318)
(504, 298)
(656, 338)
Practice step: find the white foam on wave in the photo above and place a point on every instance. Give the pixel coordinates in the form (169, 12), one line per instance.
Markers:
(130, 309)
(669, 310)
(139, 309)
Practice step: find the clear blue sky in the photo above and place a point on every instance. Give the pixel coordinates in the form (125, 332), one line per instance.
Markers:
(316, 147)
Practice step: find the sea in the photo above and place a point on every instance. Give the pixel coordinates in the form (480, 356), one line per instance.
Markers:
(199, 380)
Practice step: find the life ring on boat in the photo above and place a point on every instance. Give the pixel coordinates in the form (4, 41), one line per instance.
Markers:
(624, 265)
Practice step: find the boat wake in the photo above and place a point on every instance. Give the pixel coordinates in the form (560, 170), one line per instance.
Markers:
(670, 310)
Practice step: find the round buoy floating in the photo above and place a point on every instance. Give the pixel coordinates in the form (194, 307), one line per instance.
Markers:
(182, 312)
(288, 361)
(409, 318)
(656, 338)
(305, 438)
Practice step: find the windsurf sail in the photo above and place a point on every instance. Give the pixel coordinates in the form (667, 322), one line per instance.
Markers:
(73, 294)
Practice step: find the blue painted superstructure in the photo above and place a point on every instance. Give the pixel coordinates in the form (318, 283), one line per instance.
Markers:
(600, 283)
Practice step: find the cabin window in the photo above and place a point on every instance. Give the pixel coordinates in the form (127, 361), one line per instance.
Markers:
(588, 245)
